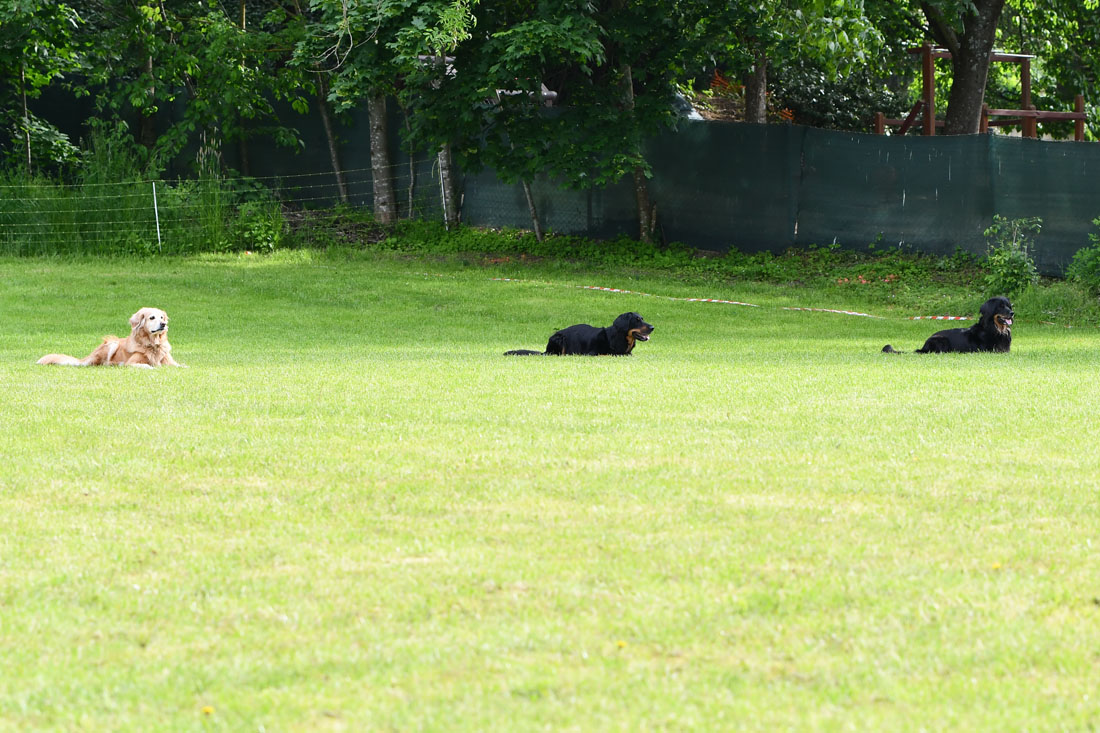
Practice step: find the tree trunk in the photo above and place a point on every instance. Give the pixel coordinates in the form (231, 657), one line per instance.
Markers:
(330, 138)
(970, 52)
(531, 209)
(450, 195)
(242, 154)
(756, 91)
(26, 117)
(646, 218)
(410, 204)
(147, 124)
(384, 204)
(647, 212)
(242, 143)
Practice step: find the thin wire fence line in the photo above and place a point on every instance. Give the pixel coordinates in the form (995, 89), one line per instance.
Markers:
(180, 216)
(59, 207)
(145, 188)
(175, 207)
(147, 181)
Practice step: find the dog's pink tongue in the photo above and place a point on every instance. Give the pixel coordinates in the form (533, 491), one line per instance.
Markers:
(1008, 321)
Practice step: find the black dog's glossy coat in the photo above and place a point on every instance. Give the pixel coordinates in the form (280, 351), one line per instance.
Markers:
(618, 339)
(992, 332)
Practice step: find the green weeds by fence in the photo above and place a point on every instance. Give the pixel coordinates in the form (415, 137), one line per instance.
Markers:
(113, 206)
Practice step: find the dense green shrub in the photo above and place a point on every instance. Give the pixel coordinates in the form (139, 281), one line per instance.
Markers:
(1010, 269)
(259, 226)
(1085, 267)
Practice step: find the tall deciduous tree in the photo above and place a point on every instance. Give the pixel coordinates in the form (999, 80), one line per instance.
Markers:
(1063, 35)
(486, 103)
(748, 37)
(151, 54)
(966, 28)
(613, 67)
(366, 49)
(38, 44)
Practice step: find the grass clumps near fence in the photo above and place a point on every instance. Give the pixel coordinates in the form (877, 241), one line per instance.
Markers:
(1010, 268)
(1085, 267)
(114, 201)
(141, 217)
(115, 204)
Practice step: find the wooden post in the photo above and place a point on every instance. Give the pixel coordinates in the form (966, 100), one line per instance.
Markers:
(880, 123)
(1079, 125)
(1025, 83)
(983, 122)
(928, 93)
(1030, 124)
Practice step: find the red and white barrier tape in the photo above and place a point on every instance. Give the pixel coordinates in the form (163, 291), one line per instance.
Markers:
(667, 297)
(830, 310)
(939, 318)
(629, 292)
(726, 302)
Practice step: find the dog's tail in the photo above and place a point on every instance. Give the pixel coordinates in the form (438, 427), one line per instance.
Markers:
(60, 359)
(524, 352)
(888, 349)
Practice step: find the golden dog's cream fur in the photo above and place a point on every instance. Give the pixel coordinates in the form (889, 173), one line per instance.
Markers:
(147, 345)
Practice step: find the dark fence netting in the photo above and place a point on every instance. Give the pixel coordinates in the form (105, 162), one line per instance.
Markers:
(859, 189)
(770, 187)
(1054, 181)
(722, 185)
(719, 185)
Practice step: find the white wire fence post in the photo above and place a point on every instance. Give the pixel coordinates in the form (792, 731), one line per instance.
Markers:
(443, 195)
(156, 214)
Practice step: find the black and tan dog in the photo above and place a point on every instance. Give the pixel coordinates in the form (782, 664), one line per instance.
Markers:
(618, 339)
(992, 332)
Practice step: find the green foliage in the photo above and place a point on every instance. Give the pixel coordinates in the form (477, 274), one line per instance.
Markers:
(1010, 267)
(113, 207)
(50, 149)
(614, 70)
(111, 155)
(403, 33)
(1085, 267)
(219, 78)
(1061, 33)
(37, 43)
(819, 98)
(37, 46)
(259, 226)
(424, 237)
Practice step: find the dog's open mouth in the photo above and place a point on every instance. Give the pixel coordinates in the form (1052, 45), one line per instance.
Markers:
(1004, 325)
(641, 335)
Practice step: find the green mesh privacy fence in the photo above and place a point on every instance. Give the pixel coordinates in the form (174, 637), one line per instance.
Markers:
(721, 185)
(770, 187)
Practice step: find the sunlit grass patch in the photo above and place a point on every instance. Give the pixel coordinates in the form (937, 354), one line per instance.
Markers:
(352, 511)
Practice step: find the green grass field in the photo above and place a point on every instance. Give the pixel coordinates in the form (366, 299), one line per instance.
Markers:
(353, 513)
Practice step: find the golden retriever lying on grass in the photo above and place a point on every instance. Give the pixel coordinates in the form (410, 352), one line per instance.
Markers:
(147, 345)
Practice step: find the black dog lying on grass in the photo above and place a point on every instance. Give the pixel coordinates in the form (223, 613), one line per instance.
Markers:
(618, 339)
(992, 332)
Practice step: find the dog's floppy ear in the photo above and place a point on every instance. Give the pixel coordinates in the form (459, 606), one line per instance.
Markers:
(993, 306)
(987, 310)
(625, 321)
(137, 319)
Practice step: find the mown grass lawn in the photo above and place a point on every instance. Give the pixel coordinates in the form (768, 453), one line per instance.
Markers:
(353, 513)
